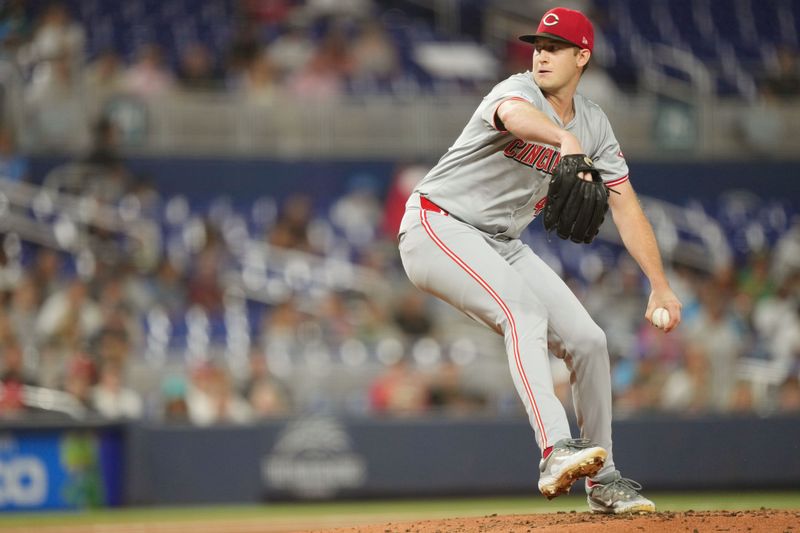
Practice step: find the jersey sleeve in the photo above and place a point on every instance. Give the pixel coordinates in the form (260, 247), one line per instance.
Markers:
(510, 89)
(608, 158)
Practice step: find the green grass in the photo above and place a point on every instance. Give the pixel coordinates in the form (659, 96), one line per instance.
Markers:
(397, 509)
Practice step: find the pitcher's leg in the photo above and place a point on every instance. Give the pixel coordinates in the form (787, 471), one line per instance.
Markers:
(585, 343)
(452, 261)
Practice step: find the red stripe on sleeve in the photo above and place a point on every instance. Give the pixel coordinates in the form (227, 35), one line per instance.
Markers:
(617, 181)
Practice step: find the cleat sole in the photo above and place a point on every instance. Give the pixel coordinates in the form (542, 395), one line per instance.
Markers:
(563, 484)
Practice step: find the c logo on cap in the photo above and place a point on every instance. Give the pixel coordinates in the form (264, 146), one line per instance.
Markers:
(551, 19)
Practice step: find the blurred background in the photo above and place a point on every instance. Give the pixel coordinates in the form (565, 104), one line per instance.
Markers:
(198, 208)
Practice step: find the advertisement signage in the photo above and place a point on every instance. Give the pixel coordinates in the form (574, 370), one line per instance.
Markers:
(60, 469)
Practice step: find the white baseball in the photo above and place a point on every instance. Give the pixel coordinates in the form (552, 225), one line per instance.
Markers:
(660, 318)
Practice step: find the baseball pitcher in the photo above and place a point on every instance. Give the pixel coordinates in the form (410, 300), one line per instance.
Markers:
(536, 146)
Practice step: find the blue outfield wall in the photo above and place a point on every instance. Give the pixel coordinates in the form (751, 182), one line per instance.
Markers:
(246, 178)
(78, 465)
(325, 458)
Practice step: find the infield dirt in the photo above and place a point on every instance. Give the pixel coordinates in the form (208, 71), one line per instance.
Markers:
(765, 520)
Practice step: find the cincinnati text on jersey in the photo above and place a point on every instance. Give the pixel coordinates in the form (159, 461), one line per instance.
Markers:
(539, 156)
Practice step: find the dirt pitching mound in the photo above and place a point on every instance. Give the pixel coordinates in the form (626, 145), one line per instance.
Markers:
(691, 521)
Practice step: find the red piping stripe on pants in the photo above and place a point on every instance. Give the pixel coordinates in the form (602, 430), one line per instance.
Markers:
(423, 215)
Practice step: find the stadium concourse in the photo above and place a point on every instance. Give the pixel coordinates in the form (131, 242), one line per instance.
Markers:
(199, 202)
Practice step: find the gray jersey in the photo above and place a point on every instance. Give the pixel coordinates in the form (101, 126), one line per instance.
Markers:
(498, 183)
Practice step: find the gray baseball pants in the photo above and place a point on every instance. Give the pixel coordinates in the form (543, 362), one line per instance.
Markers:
(507, 287)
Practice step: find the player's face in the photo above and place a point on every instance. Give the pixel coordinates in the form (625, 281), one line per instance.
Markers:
(555, 63)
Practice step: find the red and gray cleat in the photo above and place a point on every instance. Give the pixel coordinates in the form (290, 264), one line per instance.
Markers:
(614, 494)
(569, 460)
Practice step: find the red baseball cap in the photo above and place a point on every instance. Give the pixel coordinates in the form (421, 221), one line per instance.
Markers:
(566, 25)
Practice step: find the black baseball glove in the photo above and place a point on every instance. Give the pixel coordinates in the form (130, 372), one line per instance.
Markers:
(575, 207)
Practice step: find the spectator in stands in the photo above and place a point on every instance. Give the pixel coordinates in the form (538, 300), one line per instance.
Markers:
(762, 123)
(15, 25)
(334, 318)
(12, 403)
(197, 70)
(13, 165)
(323, 76)
(641, 394)
(290, 51)
(12, 380)
(50, 364)
(149, 199)
(448, 394)
(69, 315)
(412, 316)
(754, 280)
(403, 182)
(258, 370)
(55, 107)
(517, 56)
(212, 399)
(399, 391)
(13, 369)
(721, 339)
(786, 253)
(375, 57)
(268, 395)
(203, 287)
(104, 77)
(280, 327)
(742, 398)
(46, 272)
(175, 408)
(167, 288)
(79, 378)
(267, 13)
(370, 318)
(108, 179)
(615, 302)
(789, 395)
(116, 303)
(267, 399)
(540, 6)
(112, 346)
(599, 87)
(666, 349)
(57, 36)
(776, 321)
(291, 228)
(358, 212)
(686, 388)
(149, 76)
(318, 80)
(783, 81)
(259, 83)
(6, 329)
(245, 48)
(358, 9)
(23, 311)
(111, 398)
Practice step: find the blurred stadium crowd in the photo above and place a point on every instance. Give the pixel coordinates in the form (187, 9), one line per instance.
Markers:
(189, 325)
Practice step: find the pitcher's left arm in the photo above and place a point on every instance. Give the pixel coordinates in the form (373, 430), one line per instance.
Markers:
(640, 241)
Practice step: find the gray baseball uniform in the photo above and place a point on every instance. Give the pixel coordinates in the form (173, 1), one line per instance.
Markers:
(459, 240)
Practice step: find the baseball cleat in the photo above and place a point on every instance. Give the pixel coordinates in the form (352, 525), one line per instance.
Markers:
(617, 495)
(569, 460)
